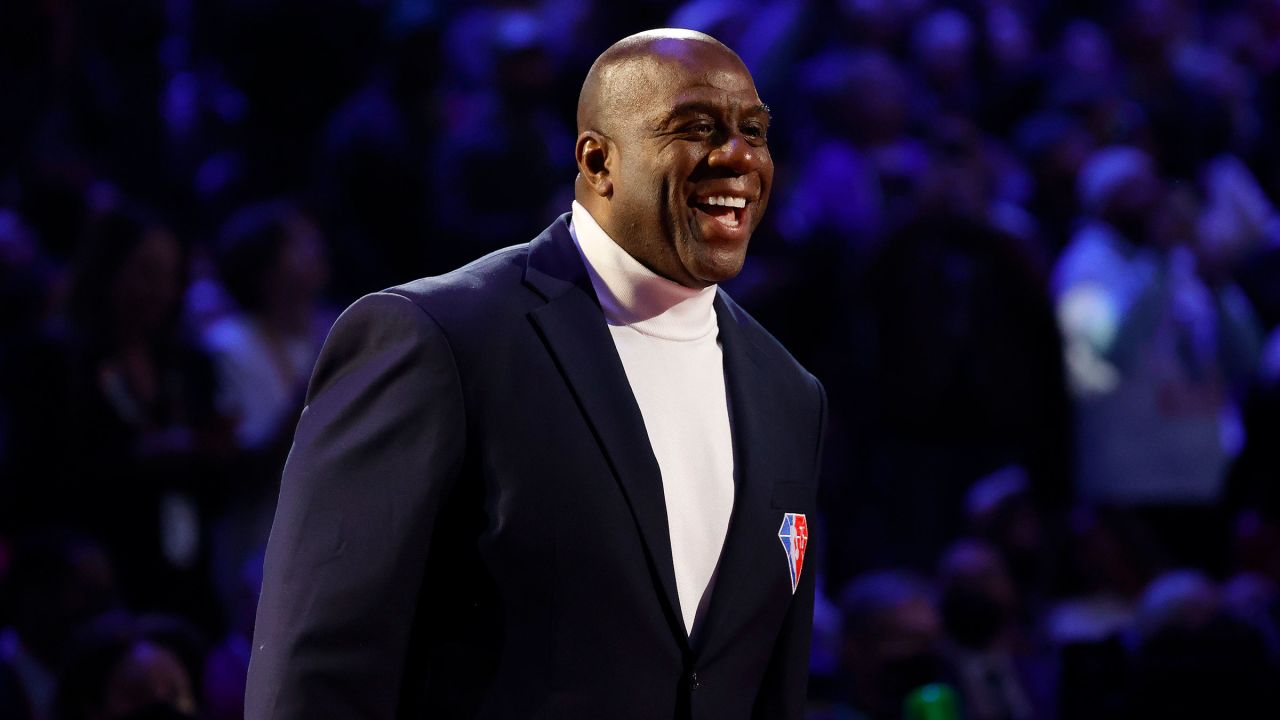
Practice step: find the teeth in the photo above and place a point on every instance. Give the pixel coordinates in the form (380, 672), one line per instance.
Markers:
(726, 201)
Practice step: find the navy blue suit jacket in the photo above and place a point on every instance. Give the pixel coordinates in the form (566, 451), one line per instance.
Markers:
(471, 521)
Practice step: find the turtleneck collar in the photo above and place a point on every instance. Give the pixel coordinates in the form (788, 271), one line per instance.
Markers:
(632, 295)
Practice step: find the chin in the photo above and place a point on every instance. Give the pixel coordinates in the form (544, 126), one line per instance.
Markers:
(711, 258)
(715, 270)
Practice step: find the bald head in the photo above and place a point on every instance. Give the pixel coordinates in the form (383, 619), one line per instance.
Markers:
(673, 162)
(619, 80)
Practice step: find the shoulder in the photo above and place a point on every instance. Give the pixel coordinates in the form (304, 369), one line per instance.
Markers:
(385, 338)
(456, 315)
(499, 271)
(473, 290)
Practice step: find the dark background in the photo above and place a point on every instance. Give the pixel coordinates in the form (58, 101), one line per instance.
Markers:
(1030, 248)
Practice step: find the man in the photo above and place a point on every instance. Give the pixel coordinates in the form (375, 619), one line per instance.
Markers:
(1157, 340)
(571, 479)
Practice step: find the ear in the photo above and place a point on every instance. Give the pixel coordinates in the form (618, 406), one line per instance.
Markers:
(592, 154)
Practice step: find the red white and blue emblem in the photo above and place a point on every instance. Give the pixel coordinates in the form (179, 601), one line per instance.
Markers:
(794, 535)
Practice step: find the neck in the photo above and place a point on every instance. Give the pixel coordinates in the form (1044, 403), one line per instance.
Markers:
(631, 294)
(638, 248)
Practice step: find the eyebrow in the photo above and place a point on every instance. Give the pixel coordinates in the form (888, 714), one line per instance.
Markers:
(694, 106)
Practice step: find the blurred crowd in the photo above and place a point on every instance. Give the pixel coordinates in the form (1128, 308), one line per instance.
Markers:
(1032, 250)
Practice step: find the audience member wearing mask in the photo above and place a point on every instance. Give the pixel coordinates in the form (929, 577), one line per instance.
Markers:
(891, 635)
(979, 607)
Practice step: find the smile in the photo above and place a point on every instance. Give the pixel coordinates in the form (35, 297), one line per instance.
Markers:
(728, 210)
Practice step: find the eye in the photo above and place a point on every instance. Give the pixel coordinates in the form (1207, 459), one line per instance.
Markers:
(704, 128)
(754, 131)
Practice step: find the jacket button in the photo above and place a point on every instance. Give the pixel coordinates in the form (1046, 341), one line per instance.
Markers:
(694, 682)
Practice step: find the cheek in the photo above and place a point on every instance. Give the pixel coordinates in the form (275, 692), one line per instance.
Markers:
(669, 213)
(637, 189)
(766, 170)
(766, 189)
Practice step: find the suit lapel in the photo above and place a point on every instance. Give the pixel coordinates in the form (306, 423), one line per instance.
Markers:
(751, 542)
(572, 326)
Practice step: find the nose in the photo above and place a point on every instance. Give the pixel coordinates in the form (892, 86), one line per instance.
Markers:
(737, 154)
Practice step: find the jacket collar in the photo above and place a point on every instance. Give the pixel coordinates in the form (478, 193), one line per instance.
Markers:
(572, 326)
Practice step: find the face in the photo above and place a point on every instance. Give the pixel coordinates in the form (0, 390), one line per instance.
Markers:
(149, 675)
(148, 285)
(691, 169)
(302, 268)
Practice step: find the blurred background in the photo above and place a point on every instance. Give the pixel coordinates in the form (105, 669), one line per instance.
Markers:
(1031, 249)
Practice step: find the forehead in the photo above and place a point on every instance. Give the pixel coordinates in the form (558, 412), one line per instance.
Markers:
(680, 65)
(671, 72)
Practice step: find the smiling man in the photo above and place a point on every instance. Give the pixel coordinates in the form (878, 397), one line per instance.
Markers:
(572, 479)
(673, 154)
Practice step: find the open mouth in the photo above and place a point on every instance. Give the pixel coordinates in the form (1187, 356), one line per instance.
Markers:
(727, 210)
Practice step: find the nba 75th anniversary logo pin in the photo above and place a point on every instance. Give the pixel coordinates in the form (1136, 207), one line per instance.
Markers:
(794, 535)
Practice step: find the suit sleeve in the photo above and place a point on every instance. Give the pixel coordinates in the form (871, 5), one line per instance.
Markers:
(378, 448)
(786, 680)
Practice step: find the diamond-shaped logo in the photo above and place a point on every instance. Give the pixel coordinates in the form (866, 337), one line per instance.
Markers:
(794, 535)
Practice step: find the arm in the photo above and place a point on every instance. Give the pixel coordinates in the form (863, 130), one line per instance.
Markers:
(786, 679)
(378, 448)
(1240, 335)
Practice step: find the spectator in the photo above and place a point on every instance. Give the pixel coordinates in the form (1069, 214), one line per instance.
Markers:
(272, 261)
(1193, 660)
(1111, 558)
(59, 582)
(135, 445)
(228, 662)
(1158, 342)
(891, 635)
(979, 610)
(962, 377)
(117, 672)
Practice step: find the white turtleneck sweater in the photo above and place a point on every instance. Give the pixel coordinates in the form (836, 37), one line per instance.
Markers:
(666, 335)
